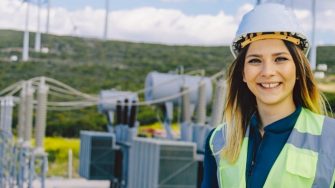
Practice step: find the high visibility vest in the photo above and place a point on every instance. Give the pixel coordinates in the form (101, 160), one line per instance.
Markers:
(306, 160)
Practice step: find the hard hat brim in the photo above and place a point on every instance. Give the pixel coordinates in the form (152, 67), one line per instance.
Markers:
(244, 40)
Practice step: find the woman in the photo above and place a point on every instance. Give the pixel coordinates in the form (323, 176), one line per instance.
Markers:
(274, 132)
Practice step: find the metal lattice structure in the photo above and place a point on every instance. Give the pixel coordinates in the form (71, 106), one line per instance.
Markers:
(7, 165)
(22, 163)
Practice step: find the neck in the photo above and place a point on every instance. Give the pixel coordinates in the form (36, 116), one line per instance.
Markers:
(271, 113)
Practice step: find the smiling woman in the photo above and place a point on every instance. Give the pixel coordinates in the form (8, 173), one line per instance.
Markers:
(274, 131)
(270, 74)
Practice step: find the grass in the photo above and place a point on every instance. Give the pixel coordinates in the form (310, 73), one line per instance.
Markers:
(156, 129)
(57, 149)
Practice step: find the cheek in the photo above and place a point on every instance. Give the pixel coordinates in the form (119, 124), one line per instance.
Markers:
(248, 74)
(291, 73)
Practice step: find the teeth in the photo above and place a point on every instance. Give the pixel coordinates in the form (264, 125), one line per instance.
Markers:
(270, 85)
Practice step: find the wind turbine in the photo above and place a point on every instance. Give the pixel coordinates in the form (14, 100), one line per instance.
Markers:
(38, 32)
(106, 20)
(312, 57)
(25, 51)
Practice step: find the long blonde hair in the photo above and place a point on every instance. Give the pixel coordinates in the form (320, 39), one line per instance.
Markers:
(241, 102)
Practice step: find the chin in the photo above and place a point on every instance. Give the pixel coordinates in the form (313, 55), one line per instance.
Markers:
(273, 100)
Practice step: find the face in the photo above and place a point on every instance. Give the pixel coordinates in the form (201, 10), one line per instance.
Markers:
(270, 72)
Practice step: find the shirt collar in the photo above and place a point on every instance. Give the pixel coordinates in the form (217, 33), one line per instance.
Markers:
(285, 124)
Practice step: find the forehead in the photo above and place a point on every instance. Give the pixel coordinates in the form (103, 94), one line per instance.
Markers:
(267, 46)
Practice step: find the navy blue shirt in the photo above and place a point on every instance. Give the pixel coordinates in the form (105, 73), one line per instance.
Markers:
(209, 175)
(262, 152)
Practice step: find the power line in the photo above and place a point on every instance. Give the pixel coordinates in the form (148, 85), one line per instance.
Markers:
(81, 100)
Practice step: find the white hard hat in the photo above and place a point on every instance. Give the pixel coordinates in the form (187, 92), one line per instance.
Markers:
(269, 20)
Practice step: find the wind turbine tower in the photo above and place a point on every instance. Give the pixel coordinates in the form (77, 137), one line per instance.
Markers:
(312, 57)
(25, 51)
(48, 17)
(38, 31)
(106, 20)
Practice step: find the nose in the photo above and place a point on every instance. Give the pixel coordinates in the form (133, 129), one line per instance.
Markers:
(268, 68)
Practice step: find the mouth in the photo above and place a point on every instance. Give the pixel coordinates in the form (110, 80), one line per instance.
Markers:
(271, 85)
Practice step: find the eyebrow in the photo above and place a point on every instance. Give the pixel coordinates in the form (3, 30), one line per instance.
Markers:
(275, 54)
(280, 53)
(253, 55)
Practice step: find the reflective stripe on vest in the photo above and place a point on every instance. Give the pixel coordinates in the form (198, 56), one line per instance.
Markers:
(306, 160)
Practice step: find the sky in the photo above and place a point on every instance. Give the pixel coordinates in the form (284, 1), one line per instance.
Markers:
(180, 22)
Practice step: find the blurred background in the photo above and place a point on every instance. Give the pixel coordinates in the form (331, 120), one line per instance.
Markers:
(79, 60)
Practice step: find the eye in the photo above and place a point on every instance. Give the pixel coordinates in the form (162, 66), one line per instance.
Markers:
(281, 59)
(254, 60)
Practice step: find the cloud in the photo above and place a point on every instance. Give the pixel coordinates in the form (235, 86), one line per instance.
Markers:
(325, 25)
(144, 24)
(321, 5)
(183, 1)
(326, 20)
(174, 27)
(173, 1)
(304, 17)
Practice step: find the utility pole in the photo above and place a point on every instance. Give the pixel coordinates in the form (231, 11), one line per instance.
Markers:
(312, 57)
(106, 20)
(38, 32)
(25, 51)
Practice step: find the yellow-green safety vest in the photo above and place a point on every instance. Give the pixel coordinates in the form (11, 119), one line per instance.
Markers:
(306, 160)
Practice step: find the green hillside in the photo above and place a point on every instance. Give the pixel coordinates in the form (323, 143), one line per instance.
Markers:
(90, 65)
(103, 64)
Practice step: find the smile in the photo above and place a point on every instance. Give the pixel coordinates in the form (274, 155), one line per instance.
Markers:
(269, 85)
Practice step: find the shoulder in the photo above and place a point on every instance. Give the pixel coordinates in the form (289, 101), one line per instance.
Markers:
(217, 139)
(317, 124)
(314, 117)
(330, 120)
(312, 122)
(309, 113)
